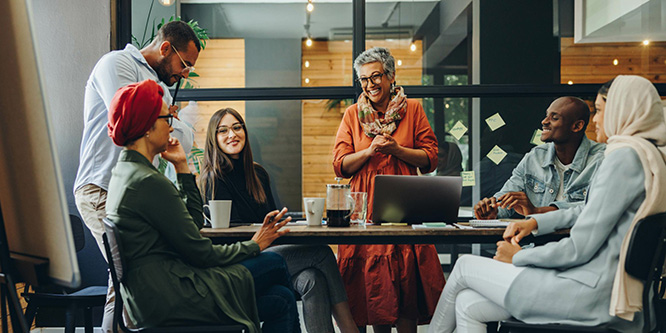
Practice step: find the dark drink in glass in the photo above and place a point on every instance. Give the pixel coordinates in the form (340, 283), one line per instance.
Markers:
(337, 218)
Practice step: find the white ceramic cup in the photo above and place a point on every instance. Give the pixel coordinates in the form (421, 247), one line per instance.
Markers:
(220, 213)
(314, 210)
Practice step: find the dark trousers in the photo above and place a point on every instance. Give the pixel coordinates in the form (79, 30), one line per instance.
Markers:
(275, 299)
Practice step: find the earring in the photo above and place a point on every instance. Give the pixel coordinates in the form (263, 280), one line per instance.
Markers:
(147, 135)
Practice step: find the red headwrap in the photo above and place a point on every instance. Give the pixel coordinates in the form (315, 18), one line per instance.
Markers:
(134, 110)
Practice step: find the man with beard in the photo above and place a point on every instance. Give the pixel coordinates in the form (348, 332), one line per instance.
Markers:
(170, 57)
(552, 176)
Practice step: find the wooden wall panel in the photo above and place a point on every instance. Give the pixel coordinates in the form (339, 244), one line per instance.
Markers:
(593, 63)
(330, 64)
(220, 65)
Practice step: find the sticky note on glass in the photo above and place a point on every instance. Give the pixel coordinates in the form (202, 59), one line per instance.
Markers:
(495, 121)
(536, 138)
(458, 130)
(496, 155)
(468, 178)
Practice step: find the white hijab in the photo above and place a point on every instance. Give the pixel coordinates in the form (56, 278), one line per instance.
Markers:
(634, 117)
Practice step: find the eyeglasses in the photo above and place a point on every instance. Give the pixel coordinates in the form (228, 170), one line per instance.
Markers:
(187, 69)
(168, 118)
(224, 130)
(376, 78)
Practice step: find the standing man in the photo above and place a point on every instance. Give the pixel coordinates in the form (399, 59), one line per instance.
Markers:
(170, 57)
(552, 176)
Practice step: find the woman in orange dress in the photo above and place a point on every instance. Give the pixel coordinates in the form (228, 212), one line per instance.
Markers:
(385, 133)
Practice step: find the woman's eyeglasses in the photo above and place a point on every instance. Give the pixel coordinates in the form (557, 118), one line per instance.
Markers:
(224, 130)
(376, 78)
(168, 118)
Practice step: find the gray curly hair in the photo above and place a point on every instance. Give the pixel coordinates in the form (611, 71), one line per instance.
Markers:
(376, 54)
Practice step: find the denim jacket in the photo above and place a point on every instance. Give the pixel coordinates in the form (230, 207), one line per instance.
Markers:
(537, 177)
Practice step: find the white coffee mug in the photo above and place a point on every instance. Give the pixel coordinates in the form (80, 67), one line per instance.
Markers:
(314, 210)
(220, 213)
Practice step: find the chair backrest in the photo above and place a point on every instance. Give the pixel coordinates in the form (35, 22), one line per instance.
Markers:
(645, 261)
(114, 257)
(92, 266)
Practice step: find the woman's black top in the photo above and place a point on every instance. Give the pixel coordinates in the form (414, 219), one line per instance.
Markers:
(243, 206)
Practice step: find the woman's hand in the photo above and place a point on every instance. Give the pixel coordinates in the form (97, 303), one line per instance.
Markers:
(377, 142)
(270, 229)
(176, 155)
(516, 231)
(387, 145)
(506, 251)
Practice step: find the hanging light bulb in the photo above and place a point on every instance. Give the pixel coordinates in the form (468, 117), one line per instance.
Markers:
(307, 80)
(570, 82)
(646, 42)
(615, 62)
(412, 47)
(167, 3)
(399, 62)
(308, 42)
(309, 7)
(307, 64)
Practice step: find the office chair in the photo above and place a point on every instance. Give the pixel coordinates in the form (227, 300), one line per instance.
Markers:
(93, 291)
(117, 268)
(645, 261)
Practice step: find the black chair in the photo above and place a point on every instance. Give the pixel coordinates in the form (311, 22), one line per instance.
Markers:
(117, 268)
(645, 261)
(92, 292)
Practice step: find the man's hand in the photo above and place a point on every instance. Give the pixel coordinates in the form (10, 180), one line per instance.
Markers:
(516, 231)
(270, 229)
(173, 109)
(517, 201)
(486, 209)
(506, 251)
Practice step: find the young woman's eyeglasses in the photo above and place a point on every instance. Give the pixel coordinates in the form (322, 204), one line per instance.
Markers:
(187, 69)
(224, 130)
(168, 118)
(376, 78)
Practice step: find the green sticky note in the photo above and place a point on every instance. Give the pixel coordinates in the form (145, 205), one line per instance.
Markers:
(468, 178)
(495, 121)
(458, 130)
(496, 155)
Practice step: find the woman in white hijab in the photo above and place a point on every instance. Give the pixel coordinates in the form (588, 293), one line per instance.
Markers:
(579, 279)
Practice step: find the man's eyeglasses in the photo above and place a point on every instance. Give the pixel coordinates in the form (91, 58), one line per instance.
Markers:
(187, 69)
(224, 130)
(168, 118)
(376, 78)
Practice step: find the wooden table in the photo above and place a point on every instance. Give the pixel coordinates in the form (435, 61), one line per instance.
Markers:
(375, 234)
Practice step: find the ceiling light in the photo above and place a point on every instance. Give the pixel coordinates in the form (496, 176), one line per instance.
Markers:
(307, 80)
(446, 105)
(570, 82)
(412, 47)
(309, 7)
(167, 3)
(308, 42)
(615, 62)
(307, 64)
(646, 42)
(399, 62)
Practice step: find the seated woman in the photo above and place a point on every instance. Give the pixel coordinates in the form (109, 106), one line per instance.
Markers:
(579, 279)
(174, 275)
(229, 173)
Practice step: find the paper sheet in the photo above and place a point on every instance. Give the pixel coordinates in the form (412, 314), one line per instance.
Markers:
(495, 121)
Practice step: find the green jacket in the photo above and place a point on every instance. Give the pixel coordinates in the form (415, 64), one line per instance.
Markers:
(174, 275)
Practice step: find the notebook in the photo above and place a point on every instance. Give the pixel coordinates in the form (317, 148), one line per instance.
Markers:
(501, 223)
(416, 199)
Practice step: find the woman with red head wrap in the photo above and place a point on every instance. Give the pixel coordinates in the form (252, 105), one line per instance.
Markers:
(175, 275)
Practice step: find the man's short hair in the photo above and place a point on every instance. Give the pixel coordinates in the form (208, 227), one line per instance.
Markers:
(179, 34)
(580, 110)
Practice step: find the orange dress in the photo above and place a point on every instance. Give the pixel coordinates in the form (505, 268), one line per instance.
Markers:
(387, 282)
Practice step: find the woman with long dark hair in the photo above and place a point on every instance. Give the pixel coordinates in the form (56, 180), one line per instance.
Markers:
(229, 173)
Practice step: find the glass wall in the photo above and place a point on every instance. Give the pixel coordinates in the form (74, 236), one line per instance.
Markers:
(289, 70)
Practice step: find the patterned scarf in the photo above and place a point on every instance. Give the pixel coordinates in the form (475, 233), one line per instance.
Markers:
(369, 117)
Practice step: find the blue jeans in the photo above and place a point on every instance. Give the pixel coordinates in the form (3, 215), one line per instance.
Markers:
(275, 299)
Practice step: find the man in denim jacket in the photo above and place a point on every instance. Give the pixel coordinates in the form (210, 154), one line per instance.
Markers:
(554, 175)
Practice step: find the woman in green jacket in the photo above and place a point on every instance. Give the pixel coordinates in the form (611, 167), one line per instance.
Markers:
(174, 275)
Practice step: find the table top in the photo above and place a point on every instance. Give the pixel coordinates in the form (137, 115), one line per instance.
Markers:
(374, 234)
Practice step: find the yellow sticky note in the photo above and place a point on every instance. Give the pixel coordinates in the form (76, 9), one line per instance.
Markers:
(496, 155)
(495, 121)
(458, 130)
(468, 178)
(536, 138)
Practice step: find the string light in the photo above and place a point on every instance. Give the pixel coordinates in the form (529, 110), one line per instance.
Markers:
(399, 62)
(308, 42)
(615, 62)
(307, 64)
(309, 7)
(570, 82)
(412, 47)
(646, 42)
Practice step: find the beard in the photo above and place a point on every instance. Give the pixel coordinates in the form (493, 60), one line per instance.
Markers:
(163, 71)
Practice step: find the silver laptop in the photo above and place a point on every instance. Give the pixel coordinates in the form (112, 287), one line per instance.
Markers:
(416, 199)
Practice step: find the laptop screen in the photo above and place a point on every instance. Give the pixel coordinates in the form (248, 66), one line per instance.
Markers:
(416, 199)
